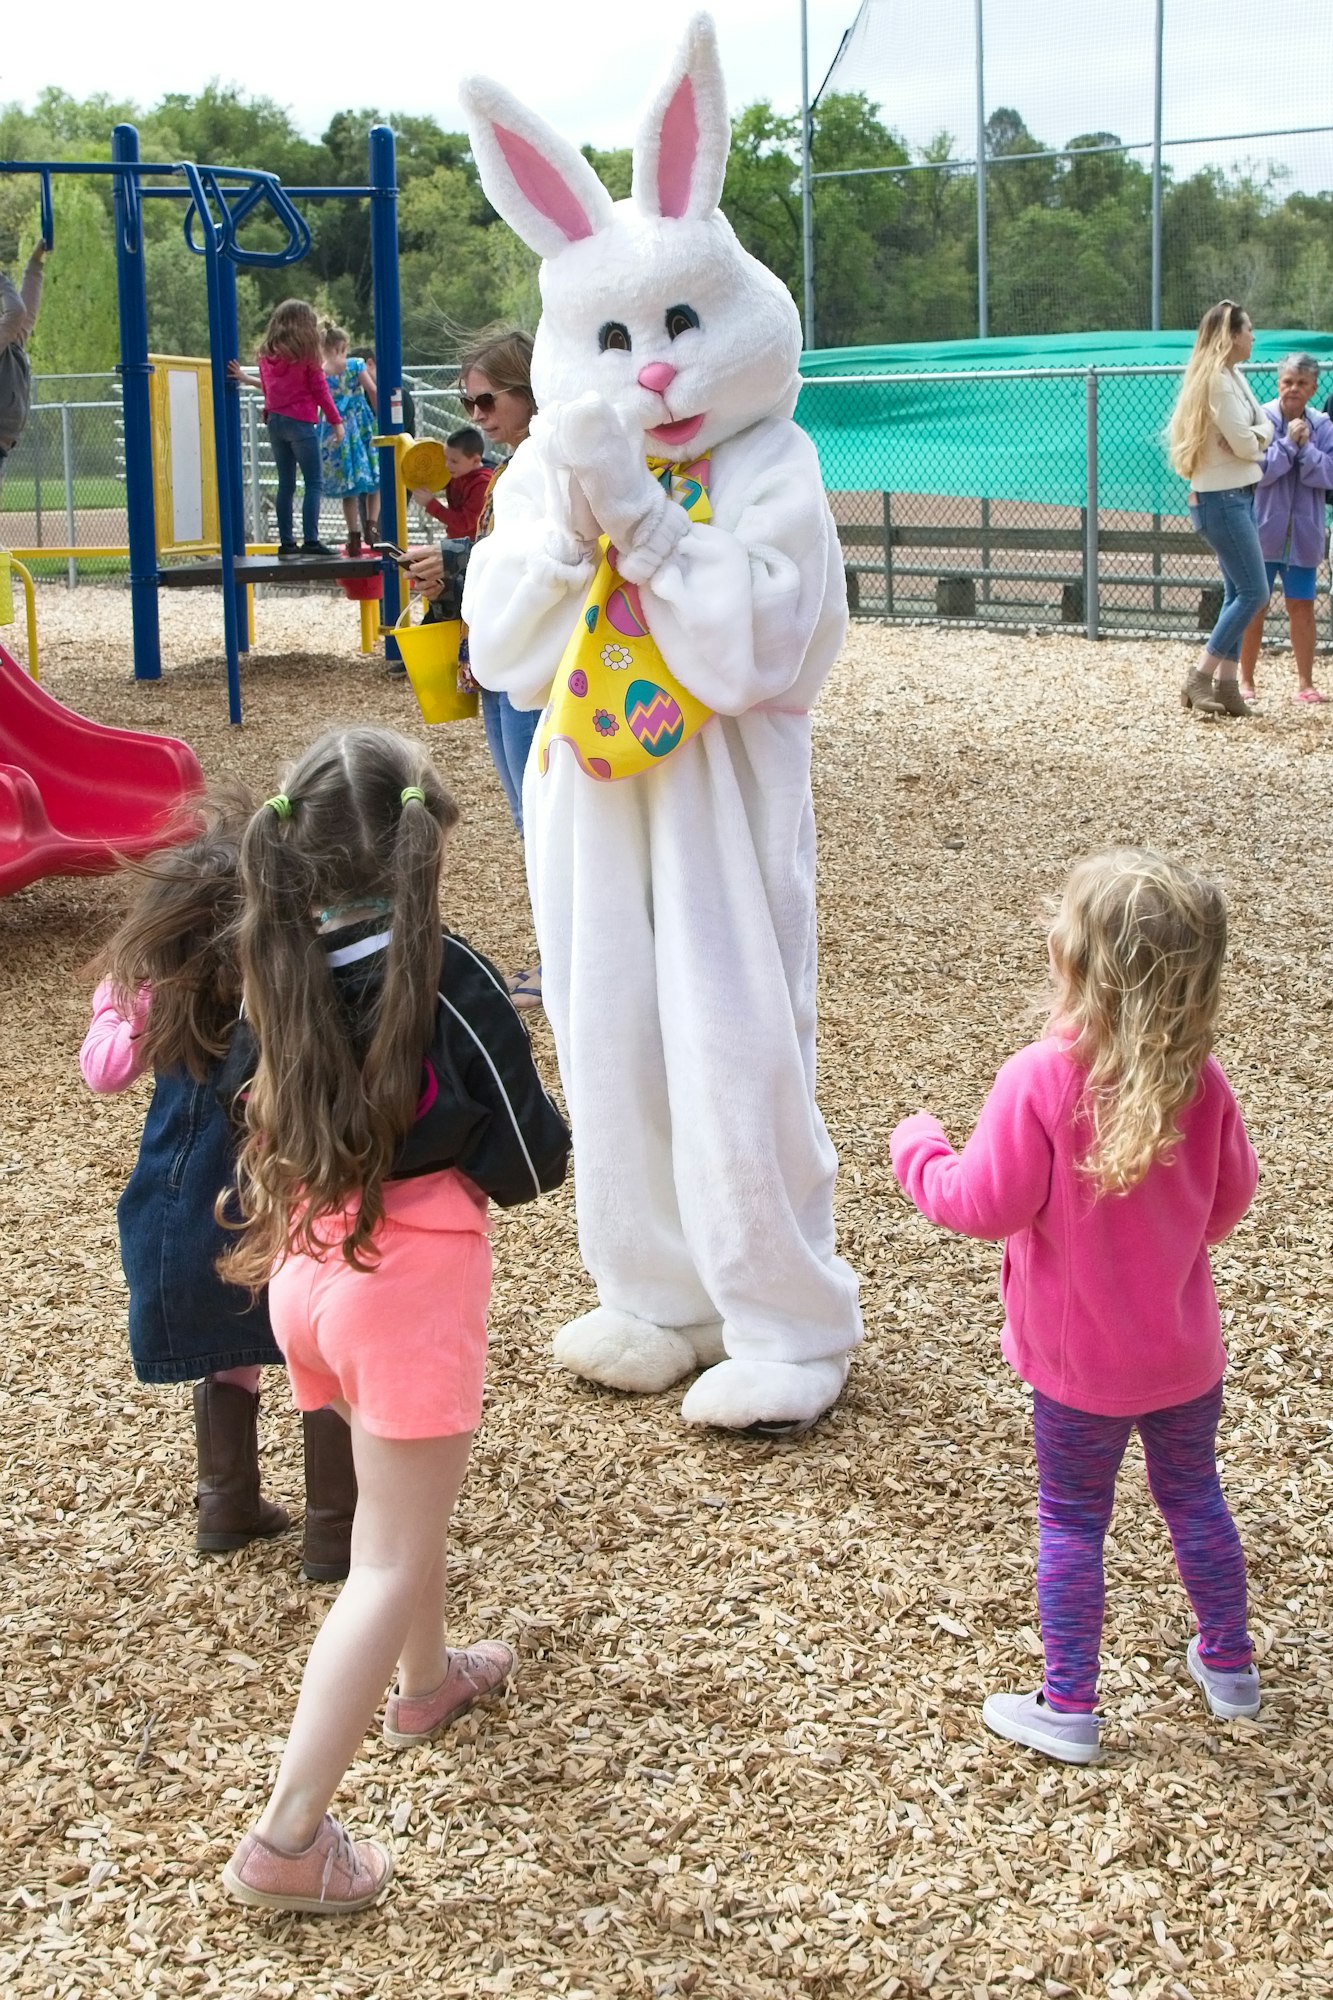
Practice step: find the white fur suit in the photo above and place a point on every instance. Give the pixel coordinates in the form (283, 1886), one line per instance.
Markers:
(675, 909)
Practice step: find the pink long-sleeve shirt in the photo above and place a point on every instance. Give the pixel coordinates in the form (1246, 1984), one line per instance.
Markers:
(1109, 1302)
(298, 389)
(110, 1058)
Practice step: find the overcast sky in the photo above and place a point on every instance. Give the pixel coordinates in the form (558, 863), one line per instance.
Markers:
(1068, 65)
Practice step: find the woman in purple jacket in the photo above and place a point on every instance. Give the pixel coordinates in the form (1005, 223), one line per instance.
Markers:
(1289, 503)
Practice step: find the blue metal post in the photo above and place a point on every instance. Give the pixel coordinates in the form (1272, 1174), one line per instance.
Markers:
(232, 471)
(132, 296)
(388, 350)
(217, 353)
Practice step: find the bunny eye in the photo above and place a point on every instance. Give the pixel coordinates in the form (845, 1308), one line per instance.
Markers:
(679, 319)
(613, 334)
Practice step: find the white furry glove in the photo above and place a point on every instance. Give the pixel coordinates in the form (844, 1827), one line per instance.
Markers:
(588, 439)
(568, 552)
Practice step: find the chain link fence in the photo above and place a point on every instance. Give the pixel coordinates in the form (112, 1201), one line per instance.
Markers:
(1009, 497)
(1032, 497)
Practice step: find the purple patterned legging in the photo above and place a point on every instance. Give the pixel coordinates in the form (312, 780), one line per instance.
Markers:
(1078, 1456)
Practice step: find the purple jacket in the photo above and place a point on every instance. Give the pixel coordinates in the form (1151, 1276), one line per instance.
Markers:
(1289, 499)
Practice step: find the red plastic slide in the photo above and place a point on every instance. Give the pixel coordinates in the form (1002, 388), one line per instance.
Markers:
(76, 797)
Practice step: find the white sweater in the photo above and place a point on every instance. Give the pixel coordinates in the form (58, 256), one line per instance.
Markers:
(1233, 453)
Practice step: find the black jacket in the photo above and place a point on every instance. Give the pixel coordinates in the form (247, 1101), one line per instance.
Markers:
(483, 1108)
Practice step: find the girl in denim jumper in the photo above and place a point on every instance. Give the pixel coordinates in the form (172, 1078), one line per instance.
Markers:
(168, 1003)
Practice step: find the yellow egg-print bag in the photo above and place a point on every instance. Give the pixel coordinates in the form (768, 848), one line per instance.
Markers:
(615, 702)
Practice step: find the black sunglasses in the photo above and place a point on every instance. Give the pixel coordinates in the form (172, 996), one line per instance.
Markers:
(479, 406)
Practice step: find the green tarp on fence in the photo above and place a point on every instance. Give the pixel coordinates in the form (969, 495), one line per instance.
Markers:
(1012, 437)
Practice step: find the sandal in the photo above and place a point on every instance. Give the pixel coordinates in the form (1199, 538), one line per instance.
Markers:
(1248, 691)
(525, 988)
(1309, 694)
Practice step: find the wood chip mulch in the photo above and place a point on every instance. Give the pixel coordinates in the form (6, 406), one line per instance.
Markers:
(743, 1755)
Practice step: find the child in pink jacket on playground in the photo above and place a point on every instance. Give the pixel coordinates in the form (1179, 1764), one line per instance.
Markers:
(1109, 1155)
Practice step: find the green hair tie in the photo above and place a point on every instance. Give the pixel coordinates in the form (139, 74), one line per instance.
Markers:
(412, 792)
(281, 805)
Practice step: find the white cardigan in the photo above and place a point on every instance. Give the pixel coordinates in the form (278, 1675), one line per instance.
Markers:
(1233, 453)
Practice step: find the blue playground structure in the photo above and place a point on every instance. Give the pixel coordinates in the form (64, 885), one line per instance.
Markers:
(218, 201)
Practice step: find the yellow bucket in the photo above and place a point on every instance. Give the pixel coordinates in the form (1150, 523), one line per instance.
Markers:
(423, 465)
(430, 654)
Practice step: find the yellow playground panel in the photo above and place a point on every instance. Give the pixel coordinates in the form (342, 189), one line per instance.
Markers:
(185, 473)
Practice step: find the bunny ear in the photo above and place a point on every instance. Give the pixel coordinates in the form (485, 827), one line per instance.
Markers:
(680, 156)
(539, 183)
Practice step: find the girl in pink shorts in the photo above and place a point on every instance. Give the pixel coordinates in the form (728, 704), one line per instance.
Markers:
(388, 1091)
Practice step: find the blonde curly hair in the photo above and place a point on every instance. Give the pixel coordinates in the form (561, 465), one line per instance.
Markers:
(1136, 951)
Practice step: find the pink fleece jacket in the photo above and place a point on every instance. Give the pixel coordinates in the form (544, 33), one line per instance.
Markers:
(1109, 1303)
(298, 389)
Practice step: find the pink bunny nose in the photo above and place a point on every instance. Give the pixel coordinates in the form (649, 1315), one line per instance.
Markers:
(657, 376)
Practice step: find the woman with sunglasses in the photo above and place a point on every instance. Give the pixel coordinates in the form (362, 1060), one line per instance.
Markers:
(495, 389)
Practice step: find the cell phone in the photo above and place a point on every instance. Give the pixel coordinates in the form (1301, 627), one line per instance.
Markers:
(391, 550)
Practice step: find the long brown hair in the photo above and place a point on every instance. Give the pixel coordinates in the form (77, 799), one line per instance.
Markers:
(1192, 420)
(1136, 960)
(326, 1113)
(179, 937)
(292, 333)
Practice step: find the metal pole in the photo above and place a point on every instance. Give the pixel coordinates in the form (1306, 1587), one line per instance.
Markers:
(1091, 607)
(231, 469)
(233, 613)
(36, 434)
(134, 370)
(807, 197)
(1157, 172)
(388, 352)
(67, 458)
(983, 308)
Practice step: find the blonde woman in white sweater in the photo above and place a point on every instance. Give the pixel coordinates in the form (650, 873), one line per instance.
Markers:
(1217, 438)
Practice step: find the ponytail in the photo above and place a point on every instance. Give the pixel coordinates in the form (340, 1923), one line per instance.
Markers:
(325, 1117)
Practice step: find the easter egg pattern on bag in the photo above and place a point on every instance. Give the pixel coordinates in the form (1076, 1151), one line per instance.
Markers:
(654, 717)
(624, 612)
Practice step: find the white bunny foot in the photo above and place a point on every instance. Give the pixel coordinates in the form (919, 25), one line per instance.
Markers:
(623, 1352)
(738, 1393)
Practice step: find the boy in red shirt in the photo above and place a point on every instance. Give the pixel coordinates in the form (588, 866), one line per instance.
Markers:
(469, 483)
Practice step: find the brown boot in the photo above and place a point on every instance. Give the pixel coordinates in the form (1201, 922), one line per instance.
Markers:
(330, 1497)
(232, 1510)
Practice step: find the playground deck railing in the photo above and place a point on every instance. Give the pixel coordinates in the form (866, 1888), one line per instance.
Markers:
(1010, 497)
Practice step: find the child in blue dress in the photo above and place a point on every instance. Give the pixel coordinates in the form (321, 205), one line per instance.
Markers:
(169, 1002)
(348, 464)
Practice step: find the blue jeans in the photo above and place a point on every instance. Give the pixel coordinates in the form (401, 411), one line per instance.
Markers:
(294, 443)
(1226, 522)
(509, 733)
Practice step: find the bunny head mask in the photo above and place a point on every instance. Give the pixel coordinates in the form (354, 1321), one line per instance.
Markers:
(651, 303)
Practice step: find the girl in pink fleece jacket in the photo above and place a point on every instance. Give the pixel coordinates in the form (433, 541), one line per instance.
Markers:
(1109, 1156)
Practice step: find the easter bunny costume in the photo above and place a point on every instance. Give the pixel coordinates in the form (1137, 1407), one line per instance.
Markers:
(664, 577)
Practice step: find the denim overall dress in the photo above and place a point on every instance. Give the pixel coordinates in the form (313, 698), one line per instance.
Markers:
(185, 1321)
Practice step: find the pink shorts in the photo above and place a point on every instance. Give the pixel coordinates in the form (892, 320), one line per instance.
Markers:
(404, 1342)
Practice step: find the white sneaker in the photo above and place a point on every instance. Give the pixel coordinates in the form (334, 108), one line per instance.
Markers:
(1030, 1719)
(1228, 1694)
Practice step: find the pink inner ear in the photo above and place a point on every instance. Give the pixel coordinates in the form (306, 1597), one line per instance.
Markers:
(543, 185)
(677, 151)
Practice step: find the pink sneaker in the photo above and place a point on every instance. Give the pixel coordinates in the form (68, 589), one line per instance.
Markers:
(332, 1877)
(473, 1674)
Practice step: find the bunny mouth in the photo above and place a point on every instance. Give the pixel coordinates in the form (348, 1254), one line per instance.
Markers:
(683, 432)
